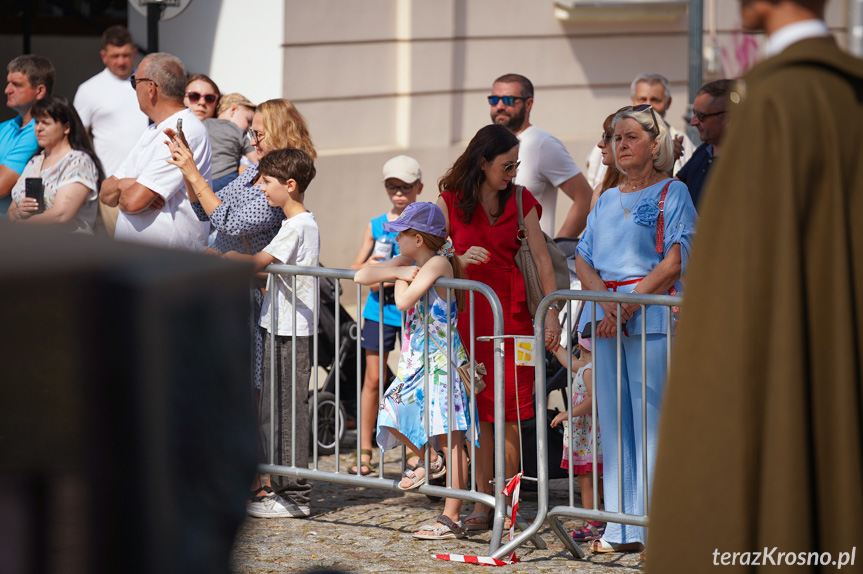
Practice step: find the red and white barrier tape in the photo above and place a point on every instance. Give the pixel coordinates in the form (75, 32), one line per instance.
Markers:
(483, 560)
(512, 489)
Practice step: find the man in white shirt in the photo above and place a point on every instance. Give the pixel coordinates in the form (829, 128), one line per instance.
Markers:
(653, 89)
(545, 165)
(150, 192)
(109, 108)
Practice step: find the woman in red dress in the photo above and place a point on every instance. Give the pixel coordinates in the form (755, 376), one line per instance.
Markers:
(477, 197)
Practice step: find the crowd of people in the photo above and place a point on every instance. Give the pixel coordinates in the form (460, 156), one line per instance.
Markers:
(230, 180)
(196, 170)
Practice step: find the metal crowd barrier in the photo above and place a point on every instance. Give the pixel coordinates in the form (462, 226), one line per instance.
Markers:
(570, 510)
(497, 501)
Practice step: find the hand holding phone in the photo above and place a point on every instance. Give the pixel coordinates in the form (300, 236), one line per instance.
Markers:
(180, 135)
(34, 188)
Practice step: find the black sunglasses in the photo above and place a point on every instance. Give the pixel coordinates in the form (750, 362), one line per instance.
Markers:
(507, 100)
(195, 96)
(644, 108)
(701, 116)
(134, 81)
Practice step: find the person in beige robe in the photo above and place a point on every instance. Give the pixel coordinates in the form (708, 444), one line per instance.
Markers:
(761, 445)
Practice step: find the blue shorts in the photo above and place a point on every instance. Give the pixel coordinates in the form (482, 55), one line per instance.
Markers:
(370, 336)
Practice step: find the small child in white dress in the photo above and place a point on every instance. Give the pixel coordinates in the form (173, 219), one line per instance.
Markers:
(580, 439)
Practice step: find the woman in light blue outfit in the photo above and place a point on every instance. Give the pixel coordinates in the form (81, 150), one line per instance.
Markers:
(637, 240)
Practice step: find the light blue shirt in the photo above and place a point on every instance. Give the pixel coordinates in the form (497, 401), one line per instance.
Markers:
(17, 146)
(624, 249)
(371, 311)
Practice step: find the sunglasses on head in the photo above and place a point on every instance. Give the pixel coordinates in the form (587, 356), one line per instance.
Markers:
(644, 108)
(195, 96)
(507, 100)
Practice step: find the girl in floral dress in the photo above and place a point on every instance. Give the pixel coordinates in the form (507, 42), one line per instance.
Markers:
(424, 257)
(582, 421)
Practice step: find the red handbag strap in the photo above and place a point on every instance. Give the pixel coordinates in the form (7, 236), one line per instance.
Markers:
(660, 224)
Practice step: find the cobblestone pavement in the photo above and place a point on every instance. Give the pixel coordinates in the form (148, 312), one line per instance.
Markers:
(363, 529)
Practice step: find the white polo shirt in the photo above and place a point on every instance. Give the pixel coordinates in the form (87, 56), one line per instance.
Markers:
(175, 225)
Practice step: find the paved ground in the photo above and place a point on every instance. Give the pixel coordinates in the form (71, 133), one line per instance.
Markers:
(360, 529)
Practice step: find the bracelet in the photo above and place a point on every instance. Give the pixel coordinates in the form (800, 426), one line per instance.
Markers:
(556, 305)
(199, 190)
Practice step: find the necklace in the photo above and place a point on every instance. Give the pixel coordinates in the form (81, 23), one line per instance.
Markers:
(628, 212)
(633, 185)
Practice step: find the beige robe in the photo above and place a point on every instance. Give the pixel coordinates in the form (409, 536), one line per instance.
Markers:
(761, 443)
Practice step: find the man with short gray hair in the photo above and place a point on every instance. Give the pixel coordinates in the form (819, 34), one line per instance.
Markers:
(655, 90)
(154, 205)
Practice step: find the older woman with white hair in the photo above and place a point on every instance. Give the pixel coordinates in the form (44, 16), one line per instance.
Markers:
(637, 240)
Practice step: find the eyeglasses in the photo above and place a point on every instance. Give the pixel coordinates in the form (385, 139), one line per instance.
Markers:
(404, 189)
(195, 96)
(254, 136)
(644, 108)
(507, 100)
(134, 81)
(701, 115)
(511, 166)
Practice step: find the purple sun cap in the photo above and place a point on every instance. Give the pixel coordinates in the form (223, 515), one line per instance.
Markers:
(419, 216)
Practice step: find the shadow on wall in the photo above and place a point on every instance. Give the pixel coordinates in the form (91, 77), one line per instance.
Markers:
(75, 59)
(191, 35)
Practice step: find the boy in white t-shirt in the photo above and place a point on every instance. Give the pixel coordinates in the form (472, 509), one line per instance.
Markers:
(286, 173)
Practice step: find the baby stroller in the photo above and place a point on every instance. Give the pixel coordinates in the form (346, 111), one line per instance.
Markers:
(334, 418)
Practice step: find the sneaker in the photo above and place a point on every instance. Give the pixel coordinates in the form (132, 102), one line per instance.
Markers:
(272, 505)
(590, 531)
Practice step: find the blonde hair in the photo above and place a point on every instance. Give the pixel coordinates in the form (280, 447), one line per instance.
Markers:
(435, 242)
(285, 126)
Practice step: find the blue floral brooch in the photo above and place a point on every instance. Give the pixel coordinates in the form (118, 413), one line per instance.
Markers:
(646, 212)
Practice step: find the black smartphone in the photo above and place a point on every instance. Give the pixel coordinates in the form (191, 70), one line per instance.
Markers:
(34, 188)
(180, 135)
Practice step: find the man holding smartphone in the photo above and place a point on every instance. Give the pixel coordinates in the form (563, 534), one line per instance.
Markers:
(29, 78)
(150, 192)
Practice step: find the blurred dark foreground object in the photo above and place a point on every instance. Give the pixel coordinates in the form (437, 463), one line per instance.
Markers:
(127, 437)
